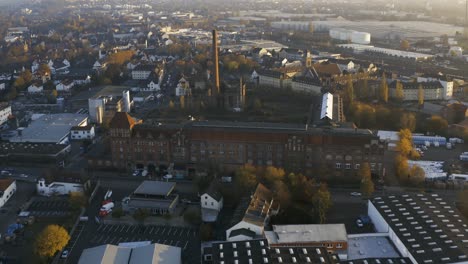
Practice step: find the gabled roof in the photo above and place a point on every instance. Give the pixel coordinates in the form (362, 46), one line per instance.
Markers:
(122, 120)
(327, 68)
(242, 231)
(214, 193)
(5, 183)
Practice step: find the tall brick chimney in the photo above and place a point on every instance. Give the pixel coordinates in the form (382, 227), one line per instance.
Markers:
(216, 63)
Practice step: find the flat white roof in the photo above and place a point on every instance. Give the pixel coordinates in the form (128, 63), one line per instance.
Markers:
(306, 233)
(392, 52)
(391, 136)
(370, 246)
(51, 128)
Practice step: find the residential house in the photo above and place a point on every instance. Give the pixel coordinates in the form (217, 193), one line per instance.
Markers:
(65, 85)
(36, 87)
(211, 204)
(7, 189)
(183, 88)
(142, 72)
(277, 78)
(258, 53)
(2, 85)
(82, 132)
(293, 54)
(260, 207)
(447, 85)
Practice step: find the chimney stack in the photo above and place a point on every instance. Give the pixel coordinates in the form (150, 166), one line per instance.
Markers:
(216, 62)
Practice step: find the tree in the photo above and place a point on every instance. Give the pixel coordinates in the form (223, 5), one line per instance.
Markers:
(322, 202)
(206, 232)
(404, 45)
(349, 92)
(44, 69)
(192, 216)
(401, 166)
(51, 240)
(416, 175)
(364, 91)
(384, 89)
(246, 177)
(405, 142)
(367, 185)
(182, 102)
(420, 96)
(364, 171)
(399, 93)
(140, 215)
(77, 200)
(436, 124)
(282, 194)
(273, 174)
(408, 121)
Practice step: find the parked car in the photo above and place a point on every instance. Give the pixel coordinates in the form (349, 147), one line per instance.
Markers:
(167, 177)
(64, 254)
(144, 173)
(359, 223)
(357, 194)
(136, 173)
(6, 173)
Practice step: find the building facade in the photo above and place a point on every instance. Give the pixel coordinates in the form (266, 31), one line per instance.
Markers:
(340, 151)
(7, 189)
(5, 112)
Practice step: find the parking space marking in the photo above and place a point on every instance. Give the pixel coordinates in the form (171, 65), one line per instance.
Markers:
(157, 230)
(188, 231)
(185, 245)
(128, 229)
(151, 230)
(123, 226)
(133, 229)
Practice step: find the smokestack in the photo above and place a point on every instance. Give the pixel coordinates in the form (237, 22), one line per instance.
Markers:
(216, 61)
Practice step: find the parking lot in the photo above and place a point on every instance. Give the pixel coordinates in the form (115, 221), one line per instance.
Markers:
(49, 208)
(184, 237)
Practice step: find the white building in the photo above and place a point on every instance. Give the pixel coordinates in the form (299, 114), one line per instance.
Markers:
(59, 186)
(359, 48)
(82, 132)
(211, 204)
(433, 90)
(182, 88)
(35, 88)
(65, 86)
(5, 112)
(142, 72)
(7, 189)
(350, 35)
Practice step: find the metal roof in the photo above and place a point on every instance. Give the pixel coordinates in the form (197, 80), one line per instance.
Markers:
(327, 106)
(155, 188)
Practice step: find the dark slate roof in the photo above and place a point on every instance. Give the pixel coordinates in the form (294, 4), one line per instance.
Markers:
(242, 231)
(122, 120)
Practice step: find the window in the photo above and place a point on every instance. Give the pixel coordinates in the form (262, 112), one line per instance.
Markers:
(212, 203)
(206, 203)
(339, 245)
(348, 166)
(357, 166)
(338, 165)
